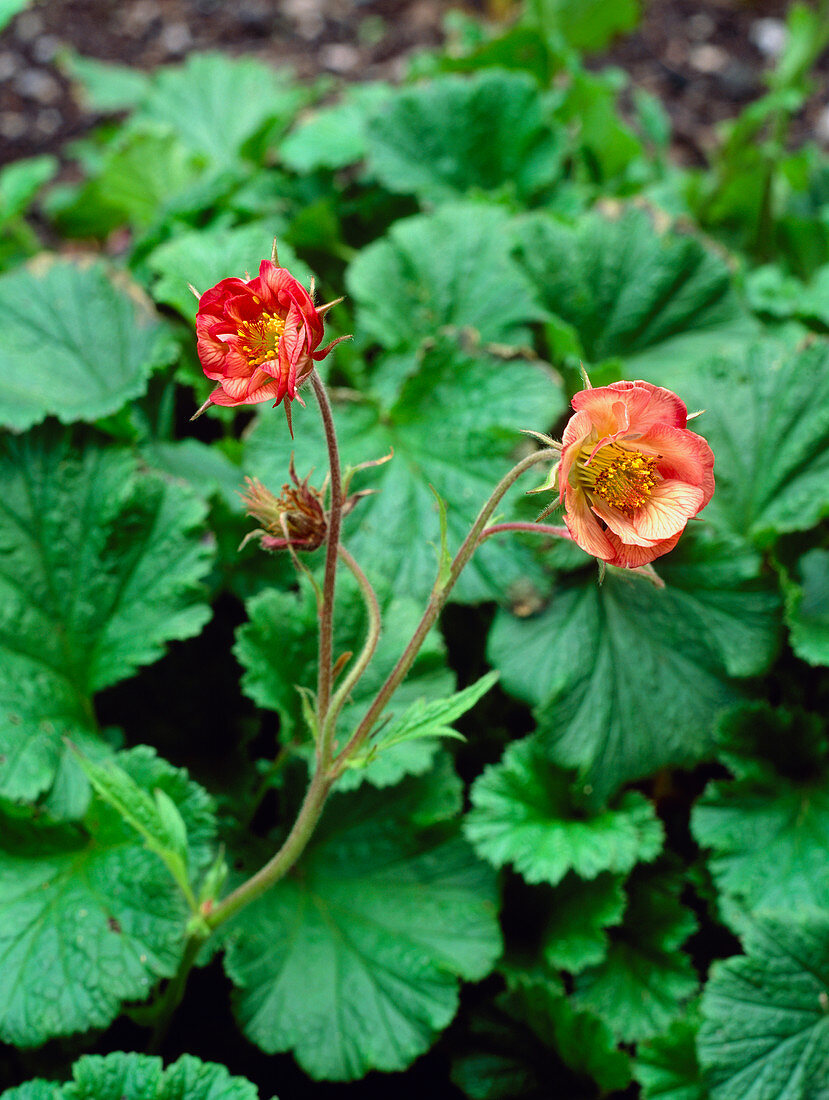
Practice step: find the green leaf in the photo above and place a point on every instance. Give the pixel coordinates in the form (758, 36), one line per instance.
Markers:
(101, 570)
(580, 911)
(217, 105)
(453, 427)
(450, 268)
(334, 137)
(667, 1066)
(140, 1077)
(581, 1039)
(769, 829)
(432, 718)
(283, 625)
(20, 182)
(773, 292)
(90, 917)
(631, 293)
(765, 1034)
(587, 26)
(74, 345)
(9, 9)
(630, 678)
(767, 421)
(639, 988)
(807, 608)
(142, 172)
(205, 256)
(524, 812)
(103, 86)
(452, 135)
(156, 819)
(386, 919)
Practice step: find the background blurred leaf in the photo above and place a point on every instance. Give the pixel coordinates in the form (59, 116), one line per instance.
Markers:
(452, 135)
(74, 345)
(807, 608)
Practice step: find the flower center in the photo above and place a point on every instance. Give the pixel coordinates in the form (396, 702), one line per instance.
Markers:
(259, 340)
(623, 478)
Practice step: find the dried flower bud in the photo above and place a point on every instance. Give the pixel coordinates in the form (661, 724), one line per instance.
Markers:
(296, 518)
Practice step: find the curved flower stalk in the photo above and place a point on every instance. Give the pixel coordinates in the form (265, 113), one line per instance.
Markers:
(631, 474)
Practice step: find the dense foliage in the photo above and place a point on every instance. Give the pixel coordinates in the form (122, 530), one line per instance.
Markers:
(617, 884)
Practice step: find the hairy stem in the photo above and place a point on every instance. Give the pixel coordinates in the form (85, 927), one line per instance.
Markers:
(530, 528)
(326, 639)
(440, 594)
(363, 661)
(285, 858)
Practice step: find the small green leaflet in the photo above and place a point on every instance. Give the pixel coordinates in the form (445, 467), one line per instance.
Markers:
(140, 1077)
(334, 137)
(74, 345)
(90, 916)
(156, 818)
(526, 812)
(765, 1032)
(386, 918)
(575, 935)
(427, 718)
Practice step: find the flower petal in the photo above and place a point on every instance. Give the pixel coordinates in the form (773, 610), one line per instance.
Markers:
(645, 403)
(631, 557)
(682, 455)
(668, 508)
(619, 523)
(584, 527)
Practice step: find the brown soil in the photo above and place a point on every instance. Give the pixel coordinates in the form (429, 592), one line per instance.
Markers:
(704, 60)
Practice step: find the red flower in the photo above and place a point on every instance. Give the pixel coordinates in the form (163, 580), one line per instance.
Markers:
(259, 339)
(631, 474)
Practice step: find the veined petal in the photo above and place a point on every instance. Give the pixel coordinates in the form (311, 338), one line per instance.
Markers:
(619, 523)
(631, 557)
(645, 403)
(668, 508)
(242, 391)
(584, 527)
(682, 455)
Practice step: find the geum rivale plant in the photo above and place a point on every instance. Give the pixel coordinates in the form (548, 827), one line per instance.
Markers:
(628, 472)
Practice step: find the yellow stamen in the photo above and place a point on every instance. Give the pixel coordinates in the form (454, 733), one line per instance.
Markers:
(623, 478)
(262, 339)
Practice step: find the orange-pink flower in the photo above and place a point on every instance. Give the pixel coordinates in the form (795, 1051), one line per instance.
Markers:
(631, 474)
(259, 339)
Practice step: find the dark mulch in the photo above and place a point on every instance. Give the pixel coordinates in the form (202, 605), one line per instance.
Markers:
(705, 60)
